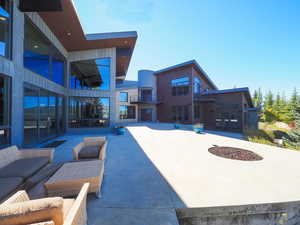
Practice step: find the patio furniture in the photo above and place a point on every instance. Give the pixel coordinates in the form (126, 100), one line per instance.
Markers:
(68, 180)
(90, 148)
(17, 166)
(19, 209)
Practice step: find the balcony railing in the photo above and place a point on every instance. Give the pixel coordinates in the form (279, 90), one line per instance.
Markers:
(144, 100)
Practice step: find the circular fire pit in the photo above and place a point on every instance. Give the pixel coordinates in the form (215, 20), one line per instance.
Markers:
(235, 153)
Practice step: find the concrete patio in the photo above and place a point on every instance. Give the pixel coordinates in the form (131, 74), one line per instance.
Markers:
(153, 169)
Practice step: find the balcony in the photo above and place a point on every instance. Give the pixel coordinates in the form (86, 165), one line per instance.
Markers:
(144, 100)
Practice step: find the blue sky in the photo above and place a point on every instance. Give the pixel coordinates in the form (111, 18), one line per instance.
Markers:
(237, 42)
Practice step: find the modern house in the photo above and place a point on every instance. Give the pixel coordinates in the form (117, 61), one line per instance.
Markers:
(184, 93)
(53, 77)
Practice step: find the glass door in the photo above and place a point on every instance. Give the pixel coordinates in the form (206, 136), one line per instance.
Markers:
(52, 115)
(44, 122)
(31, 116)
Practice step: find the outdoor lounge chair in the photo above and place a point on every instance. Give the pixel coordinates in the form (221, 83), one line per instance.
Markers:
(90, 148)
(17, 166)
(19, 209)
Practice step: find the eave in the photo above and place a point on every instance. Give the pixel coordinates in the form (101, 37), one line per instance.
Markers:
(67, 28)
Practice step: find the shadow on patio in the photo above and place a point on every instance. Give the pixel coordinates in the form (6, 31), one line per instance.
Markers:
(133, 191)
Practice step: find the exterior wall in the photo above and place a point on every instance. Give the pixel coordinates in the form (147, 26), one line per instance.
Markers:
(154, 111)
(147, 79)
(94, 54)
(20, 75)
(14, 68)
(164, 90)
(204, 84)
(232, 103)
(131, 92)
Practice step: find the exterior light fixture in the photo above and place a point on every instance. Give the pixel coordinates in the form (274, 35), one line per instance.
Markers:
(35, 46)
(69, 34)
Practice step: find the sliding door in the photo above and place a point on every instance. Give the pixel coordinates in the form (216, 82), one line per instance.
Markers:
(43, 115)
(31, 116)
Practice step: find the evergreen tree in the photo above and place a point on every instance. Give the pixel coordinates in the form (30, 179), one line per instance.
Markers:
(269, 100)
(294, 135)
(257, 98)
(277, 103)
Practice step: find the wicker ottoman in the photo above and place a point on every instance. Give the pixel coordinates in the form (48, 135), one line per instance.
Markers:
(68, 180)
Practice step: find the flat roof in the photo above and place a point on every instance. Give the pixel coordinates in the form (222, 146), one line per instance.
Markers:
(189, 63)
(243, 90)
(67, 28)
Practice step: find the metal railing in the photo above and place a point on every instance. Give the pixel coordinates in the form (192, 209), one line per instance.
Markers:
(144, 99)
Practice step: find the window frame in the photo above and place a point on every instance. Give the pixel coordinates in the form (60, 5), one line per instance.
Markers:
(53, 51)
(180, 88)
(127, 115)
(80, 109)
(79, 84)
(10, 31)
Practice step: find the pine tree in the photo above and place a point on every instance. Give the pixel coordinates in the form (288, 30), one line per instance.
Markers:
(269, 101)
(294, 135)
(268, 113)
(259, 98)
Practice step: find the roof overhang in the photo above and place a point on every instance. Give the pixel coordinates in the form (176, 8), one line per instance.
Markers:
(67, 28)
(193, 63)
(40, 5)
(244, 91)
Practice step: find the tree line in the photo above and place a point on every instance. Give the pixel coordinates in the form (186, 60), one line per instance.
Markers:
(276, 107)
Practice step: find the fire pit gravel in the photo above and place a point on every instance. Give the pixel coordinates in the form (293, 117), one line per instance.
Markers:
(235, 153)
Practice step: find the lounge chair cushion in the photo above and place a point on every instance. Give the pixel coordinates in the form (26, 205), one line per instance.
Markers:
(8, 185)
(33, 211)
(89, 152)
(24, 167)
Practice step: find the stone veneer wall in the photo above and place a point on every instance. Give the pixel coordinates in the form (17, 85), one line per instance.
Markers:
(286, 213)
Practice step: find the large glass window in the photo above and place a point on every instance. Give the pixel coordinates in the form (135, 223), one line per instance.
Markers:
(180, 113)
(41, 57)
(42, 115)
(88, 112)
(127, 112)
(5, 28)
(197, 85)
(123, 97)
(180, 86)
(4, 111)
(91, 74)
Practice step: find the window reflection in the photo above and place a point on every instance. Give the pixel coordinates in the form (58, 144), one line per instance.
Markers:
(5, 28)
(4, 110)
(88, 112)
(197, 85)
(123, 97)
(91, 74)
(41, 57)
(127, 112)
(42, 115)
(180, 86)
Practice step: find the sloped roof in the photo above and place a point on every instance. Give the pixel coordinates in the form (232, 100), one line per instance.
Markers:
(188, 63)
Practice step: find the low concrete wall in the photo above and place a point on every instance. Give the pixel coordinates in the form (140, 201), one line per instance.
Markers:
(287, 213)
